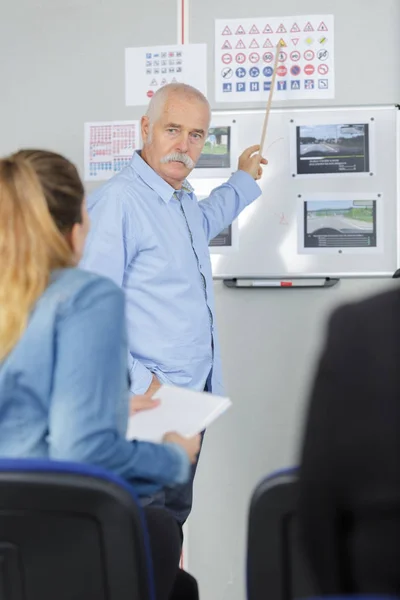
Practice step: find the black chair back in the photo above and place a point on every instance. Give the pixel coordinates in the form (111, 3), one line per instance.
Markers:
(70, 532)
(276, 568)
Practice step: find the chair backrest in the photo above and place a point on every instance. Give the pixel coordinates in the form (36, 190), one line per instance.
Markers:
(276, 568)
(70, 532)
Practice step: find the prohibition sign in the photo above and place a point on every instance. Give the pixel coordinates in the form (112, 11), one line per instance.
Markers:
(227, 58)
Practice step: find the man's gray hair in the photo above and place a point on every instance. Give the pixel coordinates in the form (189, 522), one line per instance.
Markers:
(160, 98)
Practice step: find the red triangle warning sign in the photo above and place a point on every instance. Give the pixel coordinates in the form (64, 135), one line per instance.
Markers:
(281, 29)
(282, 43)
(268, 29)
(240, 45)
(254, 44)
(295, 41)
(308, 27)
(295, 28)
(322, 27)
(226, 45)
(240, 31)
(253, 30)
(268, 43)
(227, 31)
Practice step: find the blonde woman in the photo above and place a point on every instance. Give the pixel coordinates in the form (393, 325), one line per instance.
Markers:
(63, 350)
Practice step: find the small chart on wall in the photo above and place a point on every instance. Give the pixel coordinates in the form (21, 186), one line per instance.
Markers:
(245, 52)
(147, 69)
(108, 147)
(329, 205)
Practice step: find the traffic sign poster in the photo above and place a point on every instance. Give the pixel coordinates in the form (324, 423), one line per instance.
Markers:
(245, 53)
(149, 69)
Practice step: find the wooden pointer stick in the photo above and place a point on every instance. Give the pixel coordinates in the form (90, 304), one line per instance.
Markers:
(271, 93)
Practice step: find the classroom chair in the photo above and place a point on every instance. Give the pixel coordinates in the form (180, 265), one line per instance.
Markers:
(70, 531)
(276, 568)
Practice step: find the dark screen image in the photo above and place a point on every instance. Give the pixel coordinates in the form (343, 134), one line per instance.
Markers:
(217, 149)
(340, 224)
(222, 239)
(332, 149)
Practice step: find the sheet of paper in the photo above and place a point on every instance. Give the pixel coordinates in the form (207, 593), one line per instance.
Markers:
(181, 410)
(109, 147)
(245, 52)
(148, 69)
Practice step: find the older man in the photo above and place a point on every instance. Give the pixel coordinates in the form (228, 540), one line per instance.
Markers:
(150, 235)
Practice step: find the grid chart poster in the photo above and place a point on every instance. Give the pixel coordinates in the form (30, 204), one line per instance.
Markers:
(245, 54)
(109, 147)
(149, 69)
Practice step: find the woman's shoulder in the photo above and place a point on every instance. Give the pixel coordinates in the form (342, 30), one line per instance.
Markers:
(72, 287)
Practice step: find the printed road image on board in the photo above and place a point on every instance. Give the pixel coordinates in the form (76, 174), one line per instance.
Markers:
(216, 152)
(223, 239)
(332, 148)
(340, 224)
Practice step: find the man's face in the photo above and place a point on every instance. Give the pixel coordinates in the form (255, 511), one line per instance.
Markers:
(173, 145)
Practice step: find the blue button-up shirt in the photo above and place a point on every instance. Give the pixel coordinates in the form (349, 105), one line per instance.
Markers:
(153, 241)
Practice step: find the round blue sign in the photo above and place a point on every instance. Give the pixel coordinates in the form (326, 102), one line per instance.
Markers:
(240, 72)
(295, 70)
(254, 72)
(268, 71)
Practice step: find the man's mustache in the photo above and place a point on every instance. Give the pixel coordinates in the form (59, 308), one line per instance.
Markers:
(179, 157)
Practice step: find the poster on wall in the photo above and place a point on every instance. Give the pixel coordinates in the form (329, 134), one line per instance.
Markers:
(108, 147)
(245, 54)
(340, 224)
(332, 149)
(147, 69)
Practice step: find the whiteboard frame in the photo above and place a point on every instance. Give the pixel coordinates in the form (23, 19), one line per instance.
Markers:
(237, 113)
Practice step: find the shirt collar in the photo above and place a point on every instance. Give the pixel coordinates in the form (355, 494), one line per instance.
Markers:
(154, 181)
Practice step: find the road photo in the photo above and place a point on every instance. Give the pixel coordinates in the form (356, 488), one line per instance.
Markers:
(216, 153)
(328, 149)
(340, 224)
(223, 239)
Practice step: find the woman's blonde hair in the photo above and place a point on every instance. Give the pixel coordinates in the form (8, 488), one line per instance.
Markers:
(41, 197)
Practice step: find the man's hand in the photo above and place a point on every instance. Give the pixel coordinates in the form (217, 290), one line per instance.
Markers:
(250, 162)
(142, 402)
(145, 401)
(153, 387)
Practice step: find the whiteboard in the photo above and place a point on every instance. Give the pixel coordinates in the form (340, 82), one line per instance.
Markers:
(273, 229)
